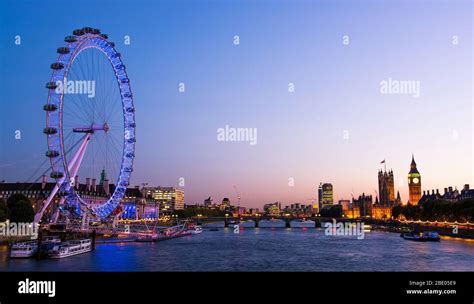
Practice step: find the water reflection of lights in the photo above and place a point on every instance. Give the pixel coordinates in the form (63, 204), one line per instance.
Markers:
(439, 223)
(459, 239)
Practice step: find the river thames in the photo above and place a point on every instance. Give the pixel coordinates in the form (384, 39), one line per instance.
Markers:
(263, 249)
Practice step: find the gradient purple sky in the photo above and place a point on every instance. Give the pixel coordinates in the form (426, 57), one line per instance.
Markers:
(300, 134)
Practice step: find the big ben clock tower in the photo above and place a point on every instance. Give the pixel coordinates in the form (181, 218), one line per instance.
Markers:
(414, 183)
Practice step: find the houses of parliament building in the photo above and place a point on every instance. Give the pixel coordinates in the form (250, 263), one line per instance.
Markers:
(387, 200)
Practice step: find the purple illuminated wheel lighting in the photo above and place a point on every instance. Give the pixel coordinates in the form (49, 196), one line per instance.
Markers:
(99, 130)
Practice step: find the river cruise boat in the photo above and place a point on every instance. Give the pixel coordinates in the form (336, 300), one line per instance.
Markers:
(410, 236)
(428, 236)
(70, 248)
(26, 249)
(47, 244)
(431, 236)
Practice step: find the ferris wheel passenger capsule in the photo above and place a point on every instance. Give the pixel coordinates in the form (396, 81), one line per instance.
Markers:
(70, 39)
(57, 66)
(78, 32)
(87, 30)
(52, 153)
(50, 107)
(63, 50)
(51, 85)
(50, 131)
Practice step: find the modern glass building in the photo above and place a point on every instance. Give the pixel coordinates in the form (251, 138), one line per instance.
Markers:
(169, 198)
(325, 195)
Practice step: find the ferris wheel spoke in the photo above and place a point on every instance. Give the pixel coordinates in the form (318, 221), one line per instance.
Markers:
(114, 110)
(112, 100)
(80, 103)
(104, 93)
(95, 77)
(83, 75)
(92, 75)
(75, 118)
(97, 72)
(115, 146)
(74, 98)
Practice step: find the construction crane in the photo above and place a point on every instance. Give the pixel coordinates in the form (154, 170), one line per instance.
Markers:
(238, 196)
(352, 194)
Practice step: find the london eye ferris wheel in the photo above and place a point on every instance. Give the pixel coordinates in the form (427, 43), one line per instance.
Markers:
(90, 122)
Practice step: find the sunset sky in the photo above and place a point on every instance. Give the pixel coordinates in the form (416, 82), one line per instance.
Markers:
(300, 134)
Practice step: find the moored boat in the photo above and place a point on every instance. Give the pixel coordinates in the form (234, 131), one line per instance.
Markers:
(47, 244)
(70, 248)
(26, 249)
(147, 238)
(168, 233)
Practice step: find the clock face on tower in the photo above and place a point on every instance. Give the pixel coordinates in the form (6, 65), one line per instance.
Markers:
(416, 180)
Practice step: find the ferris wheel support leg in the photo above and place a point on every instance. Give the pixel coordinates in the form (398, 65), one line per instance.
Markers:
(85, 221)
(74, 167)
(39, 215)
(55, 217)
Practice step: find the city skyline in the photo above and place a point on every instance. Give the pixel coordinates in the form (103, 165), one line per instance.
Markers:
(336, 126)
